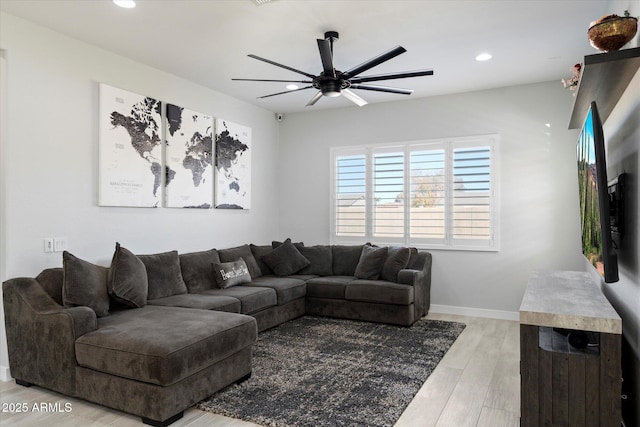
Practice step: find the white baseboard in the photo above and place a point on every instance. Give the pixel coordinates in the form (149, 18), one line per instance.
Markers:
(5, 374)
(475, 312)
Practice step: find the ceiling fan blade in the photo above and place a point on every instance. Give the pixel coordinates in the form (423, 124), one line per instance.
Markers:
(266, 80)
(383, 57)
(353, 97)
(326, 56)
(390, 76)
(315, 99)
(286, 91)
(268, 61)
(383, 89)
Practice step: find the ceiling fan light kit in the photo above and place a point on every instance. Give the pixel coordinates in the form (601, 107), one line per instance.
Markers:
(333, 83)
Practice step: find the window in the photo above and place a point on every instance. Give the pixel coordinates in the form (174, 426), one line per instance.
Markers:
(429, 194)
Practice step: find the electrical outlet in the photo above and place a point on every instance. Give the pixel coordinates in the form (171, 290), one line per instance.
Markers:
(48, 244)
(60, 244)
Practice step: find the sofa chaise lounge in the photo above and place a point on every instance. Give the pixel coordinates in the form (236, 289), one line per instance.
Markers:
(154, 334)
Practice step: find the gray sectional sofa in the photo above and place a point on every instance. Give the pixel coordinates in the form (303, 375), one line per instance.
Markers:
(152, 335)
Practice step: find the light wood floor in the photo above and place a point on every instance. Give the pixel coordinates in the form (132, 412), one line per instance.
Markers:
(477, 383)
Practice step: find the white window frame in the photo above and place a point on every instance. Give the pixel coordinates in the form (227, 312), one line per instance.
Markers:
(449, 145)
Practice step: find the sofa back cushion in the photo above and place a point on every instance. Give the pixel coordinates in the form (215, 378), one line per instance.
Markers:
(196, 270)
(127, 281)
(319, 257)
(345, 259)
(258, 252)
(164, 274)
(51, 281)
(244, 252)
(84, 284)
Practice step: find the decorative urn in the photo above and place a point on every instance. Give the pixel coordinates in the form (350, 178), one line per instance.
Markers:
(611, 32)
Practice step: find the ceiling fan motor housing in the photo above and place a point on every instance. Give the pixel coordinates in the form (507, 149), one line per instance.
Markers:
(330, 86)
(333, 83)
(331, 35)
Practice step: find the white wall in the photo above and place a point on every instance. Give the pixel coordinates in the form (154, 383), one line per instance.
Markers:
(540, 226)
(50, 159)
(622, 135)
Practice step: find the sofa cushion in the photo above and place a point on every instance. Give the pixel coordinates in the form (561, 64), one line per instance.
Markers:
(379, 291)
(163, 274)
(415, 261)
(161, 345)
(397, 259)
(258, 252)
(345, 259)
(287, 288)
(285, 260)
(252, 298)
(303, 277)
(328, 287)
(200, 301)
(230, 274)
(52, 280)
(244, 252)
(127, 282)
(319, 257)
(84, 284)
(196, 269)
(371, 262)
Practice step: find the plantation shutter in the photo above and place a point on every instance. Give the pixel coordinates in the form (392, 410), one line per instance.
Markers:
(438, 194)
(388, 195)
(427, 195)
(471, 195)
(350, 196)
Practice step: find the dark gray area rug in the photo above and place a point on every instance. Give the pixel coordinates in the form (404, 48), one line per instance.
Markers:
(316, 371)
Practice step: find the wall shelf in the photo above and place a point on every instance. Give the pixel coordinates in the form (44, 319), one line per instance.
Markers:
(605, 76)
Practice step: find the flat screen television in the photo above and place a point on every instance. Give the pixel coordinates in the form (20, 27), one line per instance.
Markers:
(597, 244)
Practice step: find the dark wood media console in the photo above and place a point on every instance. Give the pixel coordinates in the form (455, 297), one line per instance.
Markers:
(562, 385)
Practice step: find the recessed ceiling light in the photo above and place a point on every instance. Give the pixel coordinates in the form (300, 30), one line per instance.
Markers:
(127, 4)
(483, 57)
(292, 87)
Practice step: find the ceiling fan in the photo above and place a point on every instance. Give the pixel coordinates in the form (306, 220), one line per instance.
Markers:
(331, 82)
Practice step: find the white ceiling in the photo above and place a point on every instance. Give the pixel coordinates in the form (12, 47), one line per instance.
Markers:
(207, 41)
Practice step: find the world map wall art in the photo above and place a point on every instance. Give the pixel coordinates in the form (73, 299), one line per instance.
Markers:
(130, 149)
(233, 165)
(189, 168)
(132, 171)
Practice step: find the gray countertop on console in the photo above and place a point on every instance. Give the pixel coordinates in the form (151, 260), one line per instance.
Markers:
(568, 299)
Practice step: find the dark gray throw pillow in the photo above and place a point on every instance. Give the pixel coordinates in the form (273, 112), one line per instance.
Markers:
(371, 261)
(229, 274)
(397, 259)
(163, 274)
(84, 284)
(258, 252)
(196, 269)
(285, 260)
(244, 252)
(127, 283)
(276, 243)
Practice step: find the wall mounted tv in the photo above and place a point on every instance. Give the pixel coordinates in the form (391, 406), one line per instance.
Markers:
(597, 244)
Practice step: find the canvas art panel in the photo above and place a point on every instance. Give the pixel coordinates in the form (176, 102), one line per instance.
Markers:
(188, 158)
(130, 151)
(233, 165)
